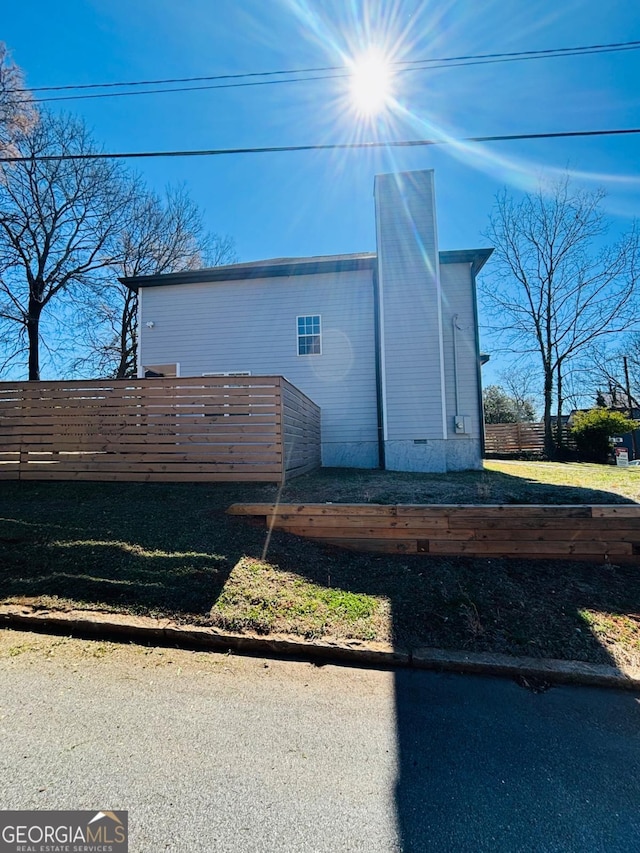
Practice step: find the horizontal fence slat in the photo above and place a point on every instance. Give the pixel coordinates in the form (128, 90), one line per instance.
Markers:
(151, 477)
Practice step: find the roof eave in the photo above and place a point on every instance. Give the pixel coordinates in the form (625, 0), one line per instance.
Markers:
(243, 272)
(476, 257)
(302, 266)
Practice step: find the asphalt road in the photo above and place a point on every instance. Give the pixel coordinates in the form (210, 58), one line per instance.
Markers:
(217, 753)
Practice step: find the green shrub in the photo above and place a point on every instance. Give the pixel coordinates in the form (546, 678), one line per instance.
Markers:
(593, 431)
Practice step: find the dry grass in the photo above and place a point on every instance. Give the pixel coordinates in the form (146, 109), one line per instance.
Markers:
(261, 598)
(500, 482)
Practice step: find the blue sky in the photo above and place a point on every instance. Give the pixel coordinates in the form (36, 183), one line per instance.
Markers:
(321, 202)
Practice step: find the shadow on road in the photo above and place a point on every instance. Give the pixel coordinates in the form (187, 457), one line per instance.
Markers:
(487, 766)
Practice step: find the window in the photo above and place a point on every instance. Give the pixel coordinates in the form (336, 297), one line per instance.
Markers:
(151, 370)
(309, 335)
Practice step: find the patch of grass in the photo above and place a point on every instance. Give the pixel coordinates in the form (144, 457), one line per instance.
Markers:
(614, 629)
(259, 597)
(20, 649)
(557, 482)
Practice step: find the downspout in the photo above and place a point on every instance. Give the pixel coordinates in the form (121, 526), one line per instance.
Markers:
(378, 359)
(454, 323)
(474, 292)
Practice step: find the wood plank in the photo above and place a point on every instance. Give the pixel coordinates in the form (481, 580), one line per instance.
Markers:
(101, 459)
(376, 546)
(374, 532)
(544, 523)
(158, 467)
(616, 511)
(153, 426)
(346, 519)
(506, 548)
(155, 477)
(496, 511)
(71, 386)
(292, 473)
(222, 410)
(555, 534)
(132, 403)
(139, 429)
(310, 508)
(195, 446)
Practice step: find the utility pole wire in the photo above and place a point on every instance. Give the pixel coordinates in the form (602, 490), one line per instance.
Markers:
(278, 149)
(629, 45)
(397, 67)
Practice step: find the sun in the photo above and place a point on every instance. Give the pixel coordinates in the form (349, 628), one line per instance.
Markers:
(370, 85)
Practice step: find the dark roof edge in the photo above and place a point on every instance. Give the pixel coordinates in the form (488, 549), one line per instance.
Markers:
(295, 266)
(267, 269)
(477, 257)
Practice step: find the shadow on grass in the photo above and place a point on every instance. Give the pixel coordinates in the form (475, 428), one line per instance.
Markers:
(170, 550)
(159, 551)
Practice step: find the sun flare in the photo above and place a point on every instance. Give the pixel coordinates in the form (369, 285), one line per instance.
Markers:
(370, 87)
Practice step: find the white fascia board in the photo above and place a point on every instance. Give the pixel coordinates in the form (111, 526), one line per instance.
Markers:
(139, 341)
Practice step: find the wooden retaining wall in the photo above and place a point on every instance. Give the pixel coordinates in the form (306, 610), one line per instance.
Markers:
(212, 429)
(604, 532)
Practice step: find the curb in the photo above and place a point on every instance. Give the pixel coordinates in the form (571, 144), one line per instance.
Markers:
(89, 624)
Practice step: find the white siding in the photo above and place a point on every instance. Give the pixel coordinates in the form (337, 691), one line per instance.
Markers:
(458, 300)
(410, 307)
(251, 325)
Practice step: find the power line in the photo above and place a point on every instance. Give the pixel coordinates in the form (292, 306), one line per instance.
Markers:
(559, 50)
(278, 149)
(396, 67)
(188, 88)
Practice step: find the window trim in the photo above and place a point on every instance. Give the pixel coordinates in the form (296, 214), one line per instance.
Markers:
(229, 373)
(299, 336)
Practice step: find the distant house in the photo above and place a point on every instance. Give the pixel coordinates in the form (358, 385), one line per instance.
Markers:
(385, 342)
(617, 401)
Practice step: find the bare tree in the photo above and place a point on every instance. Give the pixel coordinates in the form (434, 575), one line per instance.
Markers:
(160, 235)
(553, 291)
(520, 382)
(58, 224)
(17, 113)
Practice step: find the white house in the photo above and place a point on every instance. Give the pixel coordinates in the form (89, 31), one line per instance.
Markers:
(386, 343)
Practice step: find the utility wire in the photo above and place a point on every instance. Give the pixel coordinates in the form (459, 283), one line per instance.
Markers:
(277, 149)
(559, 50)
(396, 67)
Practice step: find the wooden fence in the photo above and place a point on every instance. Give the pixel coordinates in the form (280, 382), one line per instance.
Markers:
(258, 428)
(507, 439)
(602, 533)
